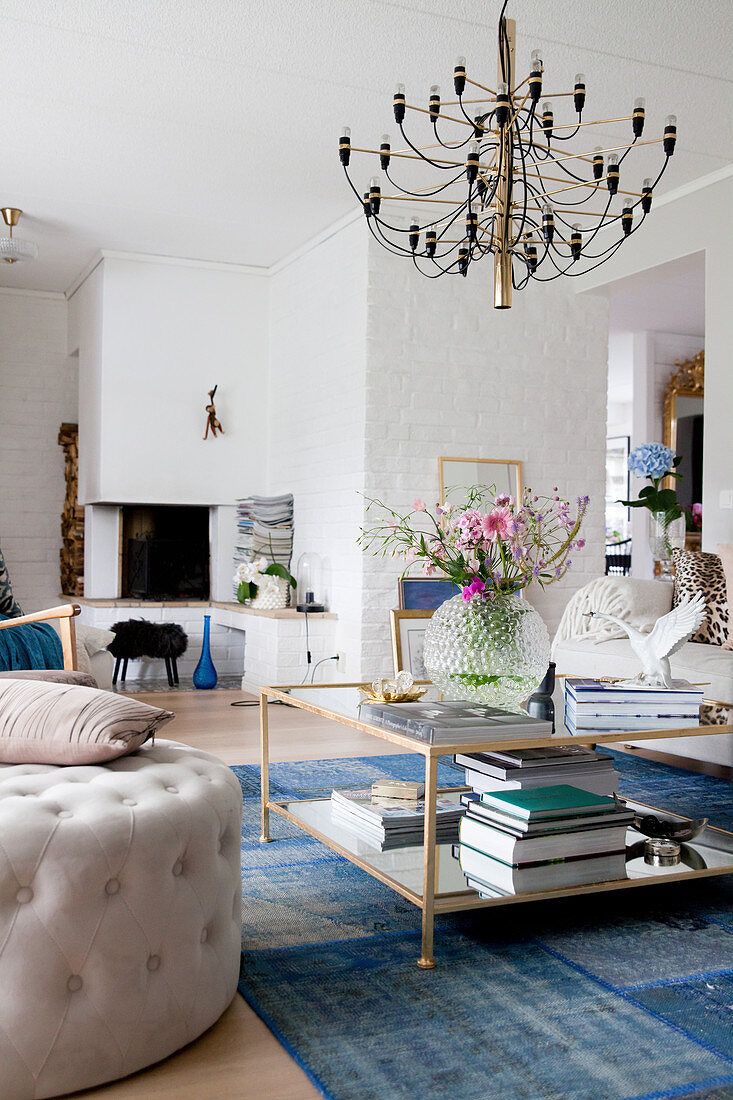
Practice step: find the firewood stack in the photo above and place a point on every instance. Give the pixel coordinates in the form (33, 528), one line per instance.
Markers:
(71, 554)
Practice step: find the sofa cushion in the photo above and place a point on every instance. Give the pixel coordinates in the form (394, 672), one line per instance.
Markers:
(89, 640)
(638, 602)
(701, 572)
(43, 723)
(52, 676)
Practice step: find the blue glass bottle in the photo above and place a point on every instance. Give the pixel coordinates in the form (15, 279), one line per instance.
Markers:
(205, 674)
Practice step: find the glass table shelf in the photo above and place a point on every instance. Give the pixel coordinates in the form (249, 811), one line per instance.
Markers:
(710, 853)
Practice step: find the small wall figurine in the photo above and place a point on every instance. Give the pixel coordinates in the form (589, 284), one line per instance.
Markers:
(212, 421)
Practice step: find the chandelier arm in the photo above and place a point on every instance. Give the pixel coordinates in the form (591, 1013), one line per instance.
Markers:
(445, 167)
(491, 91)
(553, 160)
(585, 270)
(464, 112)
(568, 137)
(458, 145)
(441, 270)
(423, 194)
(448, 118)
(623, 156)
(597, 255)
(488, 249)
(353, 188)
(392, 246)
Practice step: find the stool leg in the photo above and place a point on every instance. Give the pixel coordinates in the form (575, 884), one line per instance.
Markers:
(174, 664)
(115, 674)
(124, 670)
(169, 671)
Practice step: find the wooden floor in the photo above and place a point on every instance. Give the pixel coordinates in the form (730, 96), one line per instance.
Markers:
(238, 1056)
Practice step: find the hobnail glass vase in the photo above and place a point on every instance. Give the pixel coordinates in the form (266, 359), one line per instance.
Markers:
(664, 537)
(493, 648)
(273, 596)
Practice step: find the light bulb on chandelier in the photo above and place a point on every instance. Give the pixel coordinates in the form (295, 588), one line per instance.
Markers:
(14, 249)
(505, 187)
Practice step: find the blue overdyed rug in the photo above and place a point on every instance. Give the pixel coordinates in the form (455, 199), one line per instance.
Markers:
(605, 997)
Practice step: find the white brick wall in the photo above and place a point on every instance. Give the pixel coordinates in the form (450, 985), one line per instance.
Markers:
(447, 374)
(39, 392)
(385, 371)
(318, 308)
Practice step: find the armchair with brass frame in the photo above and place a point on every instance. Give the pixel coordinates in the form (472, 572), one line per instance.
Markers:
(67, 629)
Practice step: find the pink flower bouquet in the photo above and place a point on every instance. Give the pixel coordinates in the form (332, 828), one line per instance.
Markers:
(492, 544)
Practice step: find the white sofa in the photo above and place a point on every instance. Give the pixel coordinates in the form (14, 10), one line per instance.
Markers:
(586, 647)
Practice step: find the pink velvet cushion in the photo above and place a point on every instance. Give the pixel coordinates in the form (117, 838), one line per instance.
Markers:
(44, 723)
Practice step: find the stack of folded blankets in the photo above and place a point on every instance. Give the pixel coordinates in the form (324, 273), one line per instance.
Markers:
(541, 839)
(594, 705)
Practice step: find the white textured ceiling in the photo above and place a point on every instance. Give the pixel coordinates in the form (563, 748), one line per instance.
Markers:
(208, 128)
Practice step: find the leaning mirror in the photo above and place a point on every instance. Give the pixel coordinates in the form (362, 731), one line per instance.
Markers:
(457, 474)
(682, 430)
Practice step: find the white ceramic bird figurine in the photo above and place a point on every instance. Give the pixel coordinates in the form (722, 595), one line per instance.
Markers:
(668, 634)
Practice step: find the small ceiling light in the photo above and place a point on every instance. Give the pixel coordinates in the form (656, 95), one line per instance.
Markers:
(14, 249)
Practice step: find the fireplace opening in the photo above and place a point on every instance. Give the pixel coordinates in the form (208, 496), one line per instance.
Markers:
(165, 552)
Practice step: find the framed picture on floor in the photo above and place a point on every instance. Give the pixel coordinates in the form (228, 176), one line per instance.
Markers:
(408, 641)
(425, 593)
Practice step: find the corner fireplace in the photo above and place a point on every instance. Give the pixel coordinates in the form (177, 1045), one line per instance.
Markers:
(165, 552)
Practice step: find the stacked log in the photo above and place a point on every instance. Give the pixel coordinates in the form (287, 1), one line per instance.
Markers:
(71, 554)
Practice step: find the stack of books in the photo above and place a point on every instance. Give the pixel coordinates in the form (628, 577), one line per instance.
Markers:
(595, 705)
(550, 838)
(393, 822)
(451, 722)
(243, 536)
(527, 769)
(264, 529)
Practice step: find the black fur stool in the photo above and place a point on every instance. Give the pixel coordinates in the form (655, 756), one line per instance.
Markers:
(136, 638)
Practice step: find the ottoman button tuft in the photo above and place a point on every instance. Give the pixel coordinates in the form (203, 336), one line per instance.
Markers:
(172, 790)
(178, 867)
(24, 894)
(64, 813)
(129, 802)
(112, 886)
(153, 962)
(74, 983)
(204, 935)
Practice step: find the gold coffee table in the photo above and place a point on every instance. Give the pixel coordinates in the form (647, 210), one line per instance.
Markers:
(429, 876)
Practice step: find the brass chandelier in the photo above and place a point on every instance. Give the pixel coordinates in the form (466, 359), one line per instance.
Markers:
(511, 189)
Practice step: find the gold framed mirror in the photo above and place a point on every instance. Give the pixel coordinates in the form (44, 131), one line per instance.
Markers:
(682, 431)
(458, 473)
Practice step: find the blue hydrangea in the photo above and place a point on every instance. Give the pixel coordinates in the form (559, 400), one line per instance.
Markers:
(651, 460)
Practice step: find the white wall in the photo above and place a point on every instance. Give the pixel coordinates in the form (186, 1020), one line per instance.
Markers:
(318, 309)
(153, 338)
(694, 218)
(449, 375)
(39, 392)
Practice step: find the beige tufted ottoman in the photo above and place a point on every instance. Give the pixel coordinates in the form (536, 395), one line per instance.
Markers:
(120, 898)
